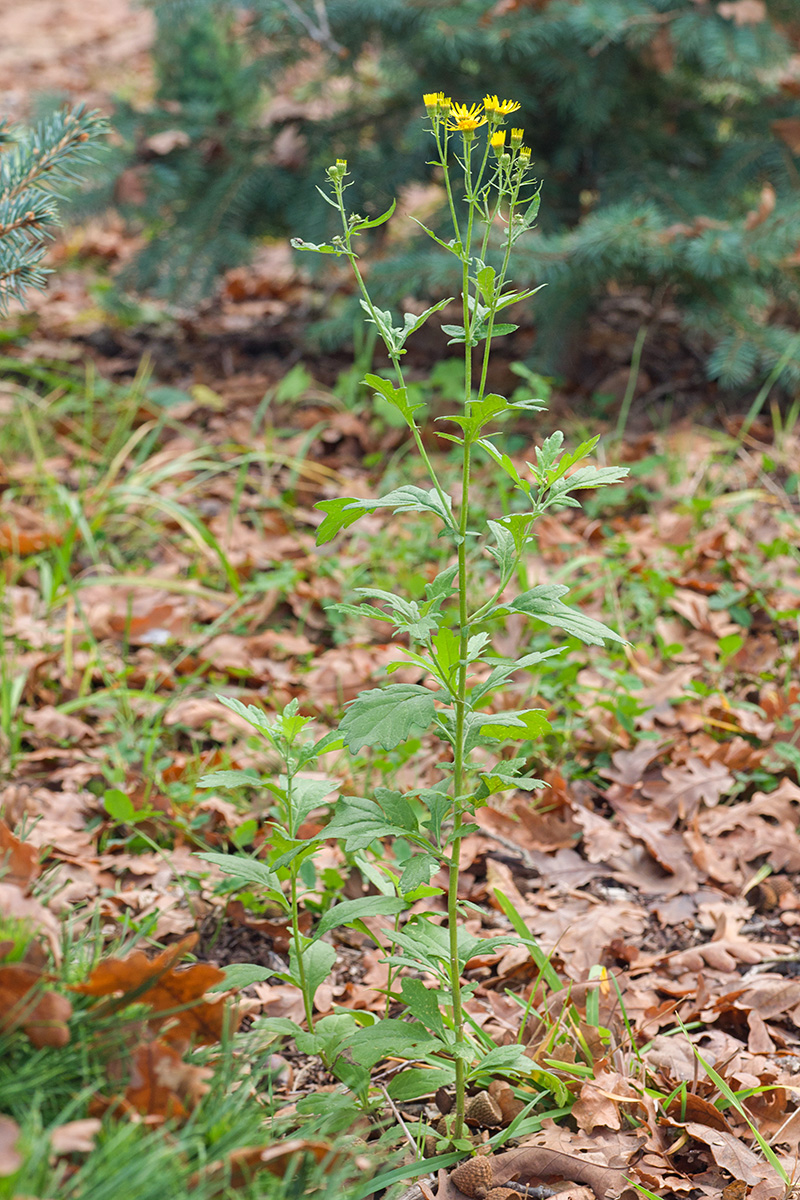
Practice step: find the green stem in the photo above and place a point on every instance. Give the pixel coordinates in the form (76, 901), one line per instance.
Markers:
(297, 937)
(461, 691)
(353, 259)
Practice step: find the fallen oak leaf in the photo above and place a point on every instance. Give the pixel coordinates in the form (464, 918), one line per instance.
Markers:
(19, 861)
(733, 1155)
(693, 1108)
(162, 1084)
(541, 1163)
(135, 974)
(42, 1015)
(174, 995)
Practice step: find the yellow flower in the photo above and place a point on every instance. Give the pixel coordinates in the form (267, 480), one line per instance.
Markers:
(465, 120)
(516, 138)
(466, 124)
(497, 109)
(434, 100)
(524, 155)
(498, 142)
(437, 105)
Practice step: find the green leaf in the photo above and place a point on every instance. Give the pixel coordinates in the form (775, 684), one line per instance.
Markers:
(588, 477)
(388, 1038)
(507, 667)
(417, 870)
(442, 585)
(353, 910)
(415, 1082)
(501, 781)
(229, 779)
(515, 297)
(241, 975)
(532, 722)
(423, 1003)
(385, 717)
(505, 464)
(502, 1059)
(331, 741)
(543, 605)
(281, 1026)
(119, 806)
(397, 397)
(246, 870)
(506, 551)
(411, 499)
(446, 646)
(485, 279)
(254, 716)
(318, 960)
(367, 224)
(413, 322)
(339, 516)
(321, 248)
(397, 809)
(306, 795)
(288, 850)
(358, 821)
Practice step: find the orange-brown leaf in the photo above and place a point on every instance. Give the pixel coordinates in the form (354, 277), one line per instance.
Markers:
(19, 861)
(174, 994)
(24, 1004)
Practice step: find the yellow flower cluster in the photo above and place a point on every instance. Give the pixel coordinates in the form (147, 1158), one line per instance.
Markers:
(497, 109)
(466, 118)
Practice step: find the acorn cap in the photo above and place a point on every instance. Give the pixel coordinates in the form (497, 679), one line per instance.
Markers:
(473, 1177)
(502, 1193)
(483, 1110)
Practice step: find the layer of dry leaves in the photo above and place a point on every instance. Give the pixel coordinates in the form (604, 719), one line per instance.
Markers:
(672, 866)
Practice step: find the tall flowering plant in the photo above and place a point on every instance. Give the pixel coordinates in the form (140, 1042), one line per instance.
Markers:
(492, 201)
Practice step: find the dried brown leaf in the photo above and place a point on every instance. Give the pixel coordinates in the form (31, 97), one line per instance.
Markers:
(75, 1136)
(174, 992)
(19, 861)
(10, 1158)
(732, 1154)
(26, 1004)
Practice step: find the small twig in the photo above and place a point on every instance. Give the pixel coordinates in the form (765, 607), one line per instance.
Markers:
(412, 1141)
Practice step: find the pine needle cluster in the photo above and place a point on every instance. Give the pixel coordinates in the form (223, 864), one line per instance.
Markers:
(35, 165)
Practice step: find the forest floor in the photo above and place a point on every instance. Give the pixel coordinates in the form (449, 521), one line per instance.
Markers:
(157, 546)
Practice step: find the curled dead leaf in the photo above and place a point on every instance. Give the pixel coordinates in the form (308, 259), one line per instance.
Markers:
(75, 1136)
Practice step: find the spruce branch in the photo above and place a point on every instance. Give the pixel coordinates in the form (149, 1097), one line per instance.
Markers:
(35, 166)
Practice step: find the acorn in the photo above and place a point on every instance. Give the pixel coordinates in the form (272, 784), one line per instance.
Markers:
(473, 1177)
(483, 1110)
(503, 1095)
(502, 1193)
